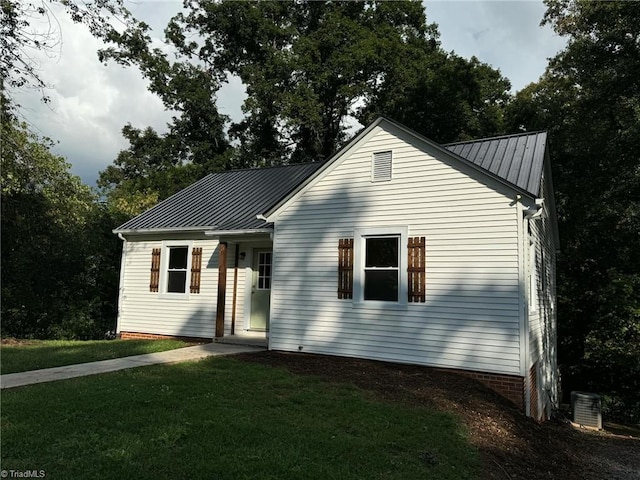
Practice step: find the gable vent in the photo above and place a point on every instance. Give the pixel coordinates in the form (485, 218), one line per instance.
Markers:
(381, 168)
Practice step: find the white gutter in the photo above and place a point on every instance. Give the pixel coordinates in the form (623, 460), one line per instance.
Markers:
(218, 233)
(161, 230)
(262, 217)
(535, 213)
(121, 282)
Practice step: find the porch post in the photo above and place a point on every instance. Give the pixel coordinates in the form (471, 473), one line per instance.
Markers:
(222, 288)
(235, 289)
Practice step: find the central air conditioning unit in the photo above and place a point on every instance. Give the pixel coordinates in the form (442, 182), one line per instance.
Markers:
(587, 409)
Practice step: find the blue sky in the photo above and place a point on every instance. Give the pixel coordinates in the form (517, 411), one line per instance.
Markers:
(91, 102)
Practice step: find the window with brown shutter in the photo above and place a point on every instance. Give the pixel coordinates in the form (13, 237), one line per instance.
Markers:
(345, 268)
(155, 270)
(196, 266)
(417, 269)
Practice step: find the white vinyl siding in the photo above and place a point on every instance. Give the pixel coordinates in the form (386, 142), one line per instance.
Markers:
(470, 319)
(542, 315)
(184, 315)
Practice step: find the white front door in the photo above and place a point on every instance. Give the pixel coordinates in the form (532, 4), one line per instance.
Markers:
(261, 290)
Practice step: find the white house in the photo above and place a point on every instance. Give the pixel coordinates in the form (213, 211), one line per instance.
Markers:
(396, 249)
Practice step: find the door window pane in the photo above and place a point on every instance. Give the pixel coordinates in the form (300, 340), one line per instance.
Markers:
(264, 270)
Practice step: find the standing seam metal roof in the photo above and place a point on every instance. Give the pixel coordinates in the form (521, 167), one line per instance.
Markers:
(231, 200)
(224, 201)
(518, 159)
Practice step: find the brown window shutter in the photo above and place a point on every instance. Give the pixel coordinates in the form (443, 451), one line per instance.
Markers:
(345, 268)
(196, 267)
(155, 270)
(417, 270)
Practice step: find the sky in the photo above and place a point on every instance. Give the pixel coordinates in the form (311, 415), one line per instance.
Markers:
(91, 102)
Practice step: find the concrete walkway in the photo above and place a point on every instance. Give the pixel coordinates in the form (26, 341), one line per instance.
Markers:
(197, 352)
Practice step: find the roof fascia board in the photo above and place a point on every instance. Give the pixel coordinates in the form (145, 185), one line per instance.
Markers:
(315, 177)
(205, 230)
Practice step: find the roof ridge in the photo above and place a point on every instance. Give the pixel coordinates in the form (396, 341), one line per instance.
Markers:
(498, 137)
(270, 167)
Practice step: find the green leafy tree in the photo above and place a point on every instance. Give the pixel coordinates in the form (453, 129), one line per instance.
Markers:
(589, 99)
(54, 251)
(20, 35)
(443, 96)
(156, 166)
(309, 67)
(59, 257)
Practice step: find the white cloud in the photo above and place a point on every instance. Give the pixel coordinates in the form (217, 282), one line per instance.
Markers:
(505, 34)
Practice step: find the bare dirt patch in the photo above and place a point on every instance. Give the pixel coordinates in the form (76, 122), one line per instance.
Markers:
(511, 446)
(16, 341)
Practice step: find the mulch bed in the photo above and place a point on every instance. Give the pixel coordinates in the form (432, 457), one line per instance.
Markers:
(511, 446)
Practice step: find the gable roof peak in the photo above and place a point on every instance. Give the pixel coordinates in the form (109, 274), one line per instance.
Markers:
(497, 137)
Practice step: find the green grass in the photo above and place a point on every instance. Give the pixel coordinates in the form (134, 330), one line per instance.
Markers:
(36, 354)
(222, 418)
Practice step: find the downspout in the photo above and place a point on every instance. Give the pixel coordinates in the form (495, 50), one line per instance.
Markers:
(121, 282)
(523, 305)
(524, 219)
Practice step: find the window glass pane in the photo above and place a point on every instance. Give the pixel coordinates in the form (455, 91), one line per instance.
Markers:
(382, 252)
(264, 271)
(177, 281)
(381, 285)
(178, 258)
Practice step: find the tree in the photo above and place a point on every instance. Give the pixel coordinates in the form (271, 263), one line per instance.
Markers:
(19, 38)
(443, 96)
(309, 67)
(156, 166)
(53, 259)
(589, 99)
(59, 257)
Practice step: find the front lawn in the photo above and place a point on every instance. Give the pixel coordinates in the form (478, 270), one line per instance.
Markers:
(23, 356)
(224, 418)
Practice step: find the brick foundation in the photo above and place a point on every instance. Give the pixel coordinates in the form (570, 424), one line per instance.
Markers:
(510, 387)
(154, 336)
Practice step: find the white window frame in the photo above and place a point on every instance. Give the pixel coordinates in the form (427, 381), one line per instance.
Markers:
(360, 236)
(164, 269)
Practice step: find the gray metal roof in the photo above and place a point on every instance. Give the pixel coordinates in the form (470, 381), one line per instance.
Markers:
(223, 201)
(518, 158)
(231, 200)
